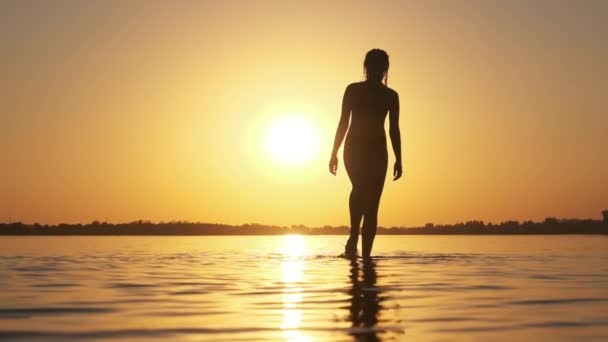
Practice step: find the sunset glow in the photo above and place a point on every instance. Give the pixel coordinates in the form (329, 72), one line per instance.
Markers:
(292, 140)
(225, 112)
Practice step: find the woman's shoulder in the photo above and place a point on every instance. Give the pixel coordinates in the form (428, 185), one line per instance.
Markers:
(392, 91)
(355, 85)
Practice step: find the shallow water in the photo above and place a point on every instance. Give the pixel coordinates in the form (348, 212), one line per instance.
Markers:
(293, 288)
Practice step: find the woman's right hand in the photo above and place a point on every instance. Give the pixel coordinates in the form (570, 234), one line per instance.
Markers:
(333, 164)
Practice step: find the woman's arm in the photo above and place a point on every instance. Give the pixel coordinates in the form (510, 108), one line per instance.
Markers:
(341, 130)
(395, 135)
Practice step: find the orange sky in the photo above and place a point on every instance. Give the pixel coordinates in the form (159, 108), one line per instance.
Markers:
(119, 111)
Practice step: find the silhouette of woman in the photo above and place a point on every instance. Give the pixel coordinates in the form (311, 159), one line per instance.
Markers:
(365, 105)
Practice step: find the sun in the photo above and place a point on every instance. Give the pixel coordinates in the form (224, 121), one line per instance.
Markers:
(292, 140)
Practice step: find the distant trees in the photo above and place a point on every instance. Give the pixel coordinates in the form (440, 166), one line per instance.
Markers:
(550, 225)
(551, 221)
(509, 224)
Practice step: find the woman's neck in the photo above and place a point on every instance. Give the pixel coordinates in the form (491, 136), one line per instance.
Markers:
(374, 81)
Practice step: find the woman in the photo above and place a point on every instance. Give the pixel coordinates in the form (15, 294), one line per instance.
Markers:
(365, 105)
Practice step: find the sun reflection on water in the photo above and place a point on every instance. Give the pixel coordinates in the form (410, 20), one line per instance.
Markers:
(292, 276)
(294, 245)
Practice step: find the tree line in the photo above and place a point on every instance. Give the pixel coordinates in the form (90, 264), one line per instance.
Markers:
(550, 225)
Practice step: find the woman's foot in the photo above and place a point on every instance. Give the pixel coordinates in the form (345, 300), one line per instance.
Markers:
(350, 250)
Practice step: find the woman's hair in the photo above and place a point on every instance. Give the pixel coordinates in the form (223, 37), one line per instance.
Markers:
(375, 65)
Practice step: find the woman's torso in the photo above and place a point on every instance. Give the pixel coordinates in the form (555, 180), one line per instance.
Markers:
(369, 107)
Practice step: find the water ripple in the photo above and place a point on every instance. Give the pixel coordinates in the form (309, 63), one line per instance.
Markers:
(282, 288)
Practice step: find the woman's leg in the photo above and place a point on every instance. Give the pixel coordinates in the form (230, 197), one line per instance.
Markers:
(373, 192)
(370, 224)
(356, 213)
(355, 201)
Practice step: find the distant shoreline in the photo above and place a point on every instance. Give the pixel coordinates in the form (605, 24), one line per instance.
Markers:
(550, 226)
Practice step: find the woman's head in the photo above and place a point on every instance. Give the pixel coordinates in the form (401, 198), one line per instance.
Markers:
(376, 65)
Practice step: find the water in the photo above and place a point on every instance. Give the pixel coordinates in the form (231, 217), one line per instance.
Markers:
(293, 288)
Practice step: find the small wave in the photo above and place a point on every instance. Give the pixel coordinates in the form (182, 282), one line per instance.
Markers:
(118, 334)
(30, 312)
(55, 285)
(557, 301)
(130, 285)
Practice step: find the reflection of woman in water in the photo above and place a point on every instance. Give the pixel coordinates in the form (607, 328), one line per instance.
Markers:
(365, 303)
(365, 105)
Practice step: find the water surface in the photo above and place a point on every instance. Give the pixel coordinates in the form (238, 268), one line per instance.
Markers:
(294, 288)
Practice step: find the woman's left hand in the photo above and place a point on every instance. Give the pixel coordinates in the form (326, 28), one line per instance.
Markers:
(398, 170)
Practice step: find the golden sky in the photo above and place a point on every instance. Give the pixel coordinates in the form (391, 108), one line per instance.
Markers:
(160, 110)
